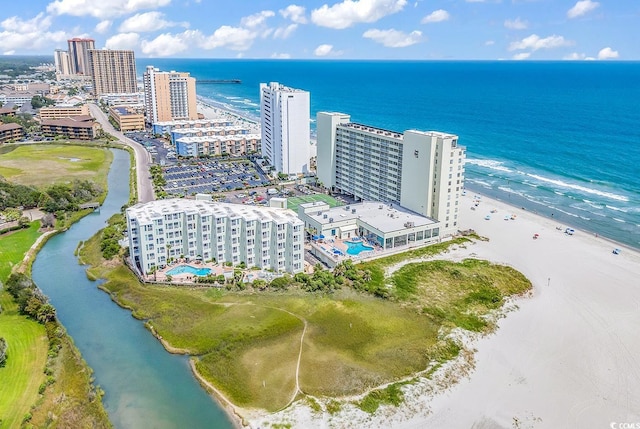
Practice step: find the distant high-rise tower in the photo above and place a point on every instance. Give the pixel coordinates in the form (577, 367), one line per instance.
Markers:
(169, 96)
(79, 55)
(62, 62)
(284, 115)
(113, 72)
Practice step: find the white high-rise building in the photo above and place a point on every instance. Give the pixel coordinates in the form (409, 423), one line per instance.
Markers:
(62, 62)
(264, 237)
(422, 171)
(284, 115)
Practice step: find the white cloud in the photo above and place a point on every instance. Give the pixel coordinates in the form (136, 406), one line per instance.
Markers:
(607, 53)
(39, 22)
(295, 13)
(393, 38)
(284, 32)
(123, 41)
(257, 19)
(581, 8)
(102, 8)
(325, 50)
(522, 55)
(350, 12)
(103, 26)
(574, 56)
(234, 38)
(534, 42)
(166, 44)
(436, 16)
(280, 56)
(516, 24)
(11, 52)
(490, 42)
(29, 35)
(146, 22)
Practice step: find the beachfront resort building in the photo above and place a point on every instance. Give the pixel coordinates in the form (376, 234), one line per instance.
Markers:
(112, 71)
(169, 96)
(128, 118)
(167, 127)
(384, 225)
(284, 116)
(165, 230)
(422, 171)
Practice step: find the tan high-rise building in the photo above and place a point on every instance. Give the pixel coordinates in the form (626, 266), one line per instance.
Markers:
(113, 71)
(169, 96)
(62, 62)
(79, 55)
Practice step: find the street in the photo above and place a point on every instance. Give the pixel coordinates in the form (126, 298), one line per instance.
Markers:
(143, 158)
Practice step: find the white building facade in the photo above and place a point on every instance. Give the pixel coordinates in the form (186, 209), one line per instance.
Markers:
(284, 116)
(164, 230)
(421, 171)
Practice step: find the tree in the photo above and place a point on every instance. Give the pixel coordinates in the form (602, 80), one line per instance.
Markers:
(3, 352)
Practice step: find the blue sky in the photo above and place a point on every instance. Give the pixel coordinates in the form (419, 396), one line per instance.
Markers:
(331, 29)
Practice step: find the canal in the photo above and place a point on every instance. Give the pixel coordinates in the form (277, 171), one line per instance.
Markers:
(144, 385)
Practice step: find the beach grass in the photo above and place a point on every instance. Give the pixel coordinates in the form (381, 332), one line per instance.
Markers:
(247, 343)
(40, 165)
(293, 203)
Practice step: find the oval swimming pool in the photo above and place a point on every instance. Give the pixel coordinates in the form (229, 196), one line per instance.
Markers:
(355, 248)
(188, 269)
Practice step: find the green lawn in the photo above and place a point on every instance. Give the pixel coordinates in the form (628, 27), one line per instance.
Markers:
(27, 339)
(13, 247)
(39, 165)
(294, 202)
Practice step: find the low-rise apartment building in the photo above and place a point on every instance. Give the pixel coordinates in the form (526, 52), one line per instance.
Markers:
(127, 118)
(232, 145)
(265, 237)
(74, 128)
(58, 112)
(167, 127)
(11, 132)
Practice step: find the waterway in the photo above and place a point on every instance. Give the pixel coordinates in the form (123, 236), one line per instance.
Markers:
(145, 386)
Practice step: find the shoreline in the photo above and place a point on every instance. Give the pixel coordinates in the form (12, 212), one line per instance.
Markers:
(567, 357)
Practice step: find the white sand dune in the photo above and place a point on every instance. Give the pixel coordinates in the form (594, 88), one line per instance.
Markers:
(569, 357)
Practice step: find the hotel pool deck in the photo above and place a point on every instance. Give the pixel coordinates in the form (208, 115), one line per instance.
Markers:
(353, 248)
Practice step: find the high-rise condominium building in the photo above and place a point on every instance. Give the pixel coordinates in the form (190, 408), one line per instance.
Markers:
(113, 72)
(422, 171)
(262, 237)
(169, 96)
(79, 55)
(62, 62)
(284, 115)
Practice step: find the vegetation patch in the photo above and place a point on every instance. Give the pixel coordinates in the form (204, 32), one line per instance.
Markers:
(362, 329)
(40, 165)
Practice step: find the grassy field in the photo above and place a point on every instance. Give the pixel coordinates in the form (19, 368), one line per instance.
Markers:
(247, 343)
(39, 165)
(27, 339)
(13, 247)
(294, 202)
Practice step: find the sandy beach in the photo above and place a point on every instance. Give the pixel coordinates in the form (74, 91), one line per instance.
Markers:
(567, 357)
(211, 110)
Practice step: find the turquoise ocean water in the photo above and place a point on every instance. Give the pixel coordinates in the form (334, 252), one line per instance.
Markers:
(558, 138)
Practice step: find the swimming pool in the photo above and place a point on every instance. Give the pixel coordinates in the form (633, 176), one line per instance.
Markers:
(354, 248)
(188, 269)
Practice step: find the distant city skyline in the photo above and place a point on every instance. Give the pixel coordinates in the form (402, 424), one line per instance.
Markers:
(331, 29)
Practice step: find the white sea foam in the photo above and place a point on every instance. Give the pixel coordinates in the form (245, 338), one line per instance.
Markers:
(480, 182)
(563, 184)
(617, 209)
(563, 211)
(489, 163)
(618, 220)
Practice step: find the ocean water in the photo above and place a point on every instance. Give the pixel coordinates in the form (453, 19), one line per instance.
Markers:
(558, 138)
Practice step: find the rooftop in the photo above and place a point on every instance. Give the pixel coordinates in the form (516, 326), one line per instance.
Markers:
(209, 129)
(230, 137)
(147, 212)
(275, 86)
(384, 217)
(192, 122)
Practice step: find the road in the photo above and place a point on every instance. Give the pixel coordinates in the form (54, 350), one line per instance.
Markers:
(143, 158)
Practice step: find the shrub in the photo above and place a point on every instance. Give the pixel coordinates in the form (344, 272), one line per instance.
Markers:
(3, 352)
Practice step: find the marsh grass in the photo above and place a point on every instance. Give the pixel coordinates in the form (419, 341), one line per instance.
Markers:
(247, 343)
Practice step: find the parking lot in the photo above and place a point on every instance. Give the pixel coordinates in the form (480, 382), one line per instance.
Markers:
(161, 151)
(212, 176)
